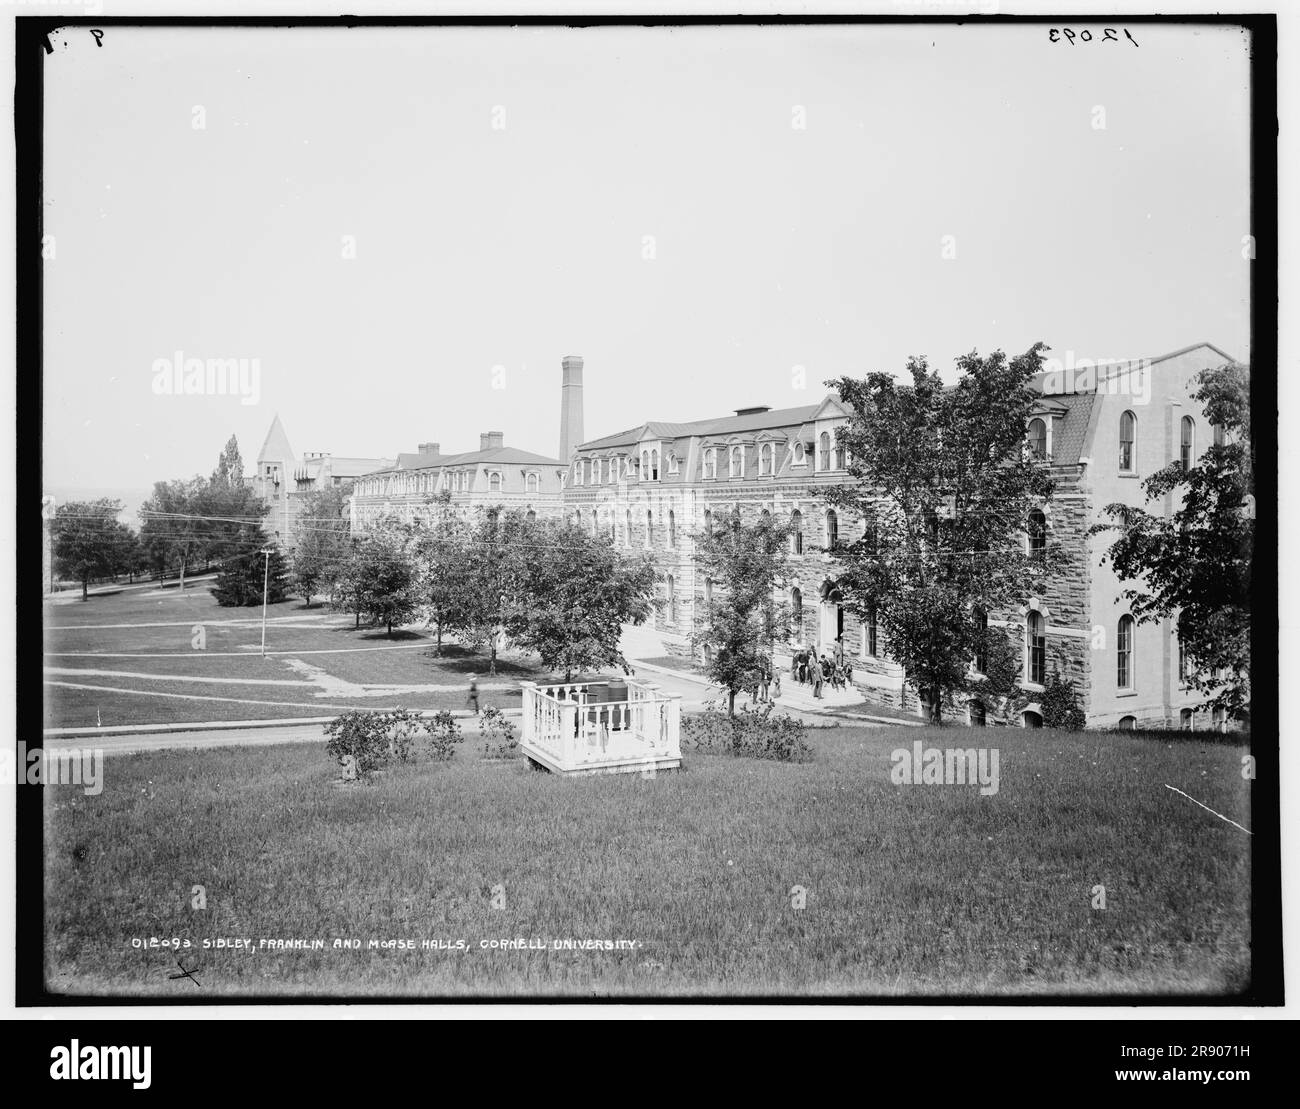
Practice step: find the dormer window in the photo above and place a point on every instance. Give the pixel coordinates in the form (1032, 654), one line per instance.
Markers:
(736, 461)
(800, 455)
(766, 459)
(823, 460)
(1038, 439)
(1127, 441)
(711, 462)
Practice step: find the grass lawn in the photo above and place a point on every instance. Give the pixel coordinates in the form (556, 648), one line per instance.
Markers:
(129, 658)
(917, 890)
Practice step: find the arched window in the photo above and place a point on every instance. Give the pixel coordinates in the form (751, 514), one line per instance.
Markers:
(823, 461)
(595, 523)
(796, 532)
(832, 529)
(1031, 720)
(649, 527)
(765, 517)
(869, 643)
(839, 455)
(654, 465)
(1037, 438)
(1185, 720)
(1127, 723)
(627, 536)
(765, 452)
(980, 619)
(1219, 437)
(531, 483)
(1037, 528)
(1124, 653)
(796, 611)
(1035, 648)
(1187, 443)
(976, 710)
(1127, 439)
(708, 521)
(799, 453)
(708, 596)
(711, 462)
(494, 482)
(672, 528)
(671, 589)
(736, 461)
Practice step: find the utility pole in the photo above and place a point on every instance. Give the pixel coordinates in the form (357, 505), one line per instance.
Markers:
(266, 575)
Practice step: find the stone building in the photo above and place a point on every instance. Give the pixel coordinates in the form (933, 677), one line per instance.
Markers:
(1101, 430)
(284, 481)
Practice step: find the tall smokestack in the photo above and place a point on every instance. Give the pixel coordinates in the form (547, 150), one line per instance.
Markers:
(571, 434)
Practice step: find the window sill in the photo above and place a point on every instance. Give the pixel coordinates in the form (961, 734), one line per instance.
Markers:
(1131, 474)
(1121, 693)
(1033, 687)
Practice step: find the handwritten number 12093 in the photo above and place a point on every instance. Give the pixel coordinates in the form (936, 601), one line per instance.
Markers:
(1065, 34)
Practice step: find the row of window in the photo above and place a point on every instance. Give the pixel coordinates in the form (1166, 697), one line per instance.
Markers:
(435, 481)
(607, 471)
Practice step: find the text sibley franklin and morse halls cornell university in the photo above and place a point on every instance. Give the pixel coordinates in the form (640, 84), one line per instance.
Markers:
(1101, 430)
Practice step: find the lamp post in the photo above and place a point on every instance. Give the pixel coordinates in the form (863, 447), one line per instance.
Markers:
(266, 576)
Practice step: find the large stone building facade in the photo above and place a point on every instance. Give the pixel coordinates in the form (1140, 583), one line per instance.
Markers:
(1101, 430)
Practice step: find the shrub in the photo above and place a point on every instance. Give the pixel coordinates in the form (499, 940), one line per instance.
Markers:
(760, 734)
(372, 739)
(498, 734)
(444, 734)
(1061, 704)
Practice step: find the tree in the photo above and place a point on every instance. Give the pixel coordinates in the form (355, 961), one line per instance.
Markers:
(377, 580)
(749, 563)
(245, 575)
(490, 578)
(1194, 564)
(324, 532)
(441, 552)
(89, 542)
(229, 473)
(172, 528)
(573, 594)
(945, 486)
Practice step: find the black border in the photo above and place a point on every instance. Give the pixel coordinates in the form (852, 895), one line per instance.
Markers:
(1266, 988)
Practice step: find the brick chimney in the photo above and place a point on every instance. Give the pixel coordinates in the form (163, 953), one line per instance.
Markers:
(571, 434)
(430, 448)
(491, 440)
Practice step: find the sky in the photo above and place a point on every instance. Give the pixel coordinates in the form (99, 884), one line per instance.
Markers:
(712, 218)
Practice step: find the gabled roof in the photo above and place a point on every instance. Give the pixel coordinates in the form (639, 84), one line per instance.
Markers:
(501, 456)
(276, 447)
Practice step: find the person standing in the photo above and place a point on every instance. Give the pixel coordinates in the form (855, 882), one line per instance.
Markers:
(472, 699)
(817, 678)
(763, 682)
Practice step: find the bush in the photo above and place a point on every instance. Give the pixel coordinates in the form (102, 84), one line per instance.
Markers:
(498, 734)
(444, 734)
(760, 734)
(1061, 704)
(372, 739)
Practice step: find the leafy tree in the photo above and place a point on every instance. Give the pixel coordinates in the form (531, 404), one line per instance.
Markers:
(490, 578)
(945, 486)
(229, 473)
(244, 576)
(441, 551)
(172, 525)
(324, 532)
(89, 541)
(749, 563)
(1194, 565)
(377, 580)
(572, 595)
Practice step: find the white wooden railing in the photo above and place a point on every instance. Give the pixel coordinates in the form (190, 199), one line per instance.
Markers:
(569, 729)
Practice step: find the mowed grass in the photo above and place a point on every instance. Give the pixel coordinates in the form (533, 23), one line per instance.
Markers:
(911, 891)
(137, 639)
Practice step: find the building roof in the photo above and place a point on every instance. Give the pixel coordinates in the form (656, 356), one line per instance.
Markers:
(503, 456)
(724, 425)
(276, 446)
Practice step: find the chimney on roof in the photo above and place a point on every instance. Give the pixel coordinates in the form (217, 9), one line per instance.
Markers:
(491, 440)
(571, 434)
(754, 411)
(430, 448)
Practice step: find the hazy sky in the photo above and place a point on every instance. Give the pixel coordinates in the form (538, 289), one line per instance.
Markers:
(480, 246)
